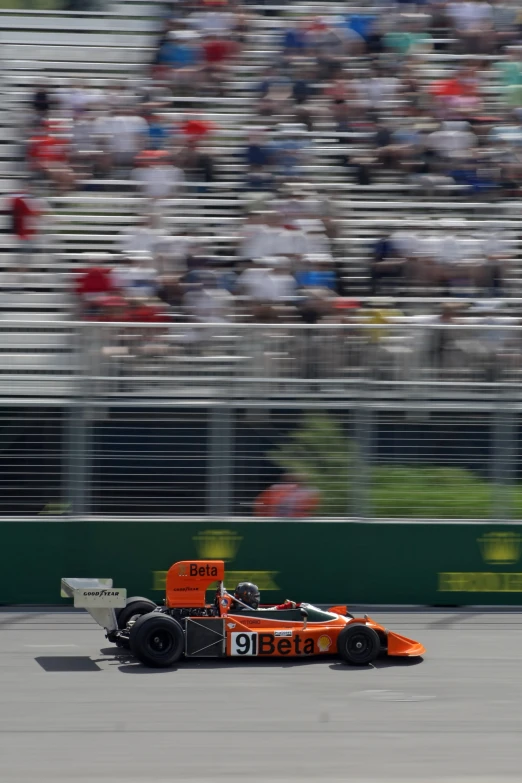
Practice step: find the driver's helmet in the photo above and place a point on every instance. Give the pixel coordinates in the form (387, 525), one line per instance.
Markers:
(248, 593)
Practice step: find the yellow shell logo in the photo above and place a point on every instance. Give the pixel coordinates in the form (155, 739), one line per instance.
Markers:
(500, 548)
(217, 544)
(324, 643)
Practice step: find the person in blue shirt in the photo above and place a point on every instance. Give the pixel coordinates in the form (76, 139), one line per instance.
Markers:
(294, 41)
(178, 51)
(317, 273)
(157, 133)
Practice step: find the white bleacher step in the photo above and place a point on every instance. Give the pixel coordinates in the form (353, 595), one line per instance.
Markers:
(48, 25)
(94, 56)
(45, 299)
(26, 316)
(37, 386)
(78, 67)
(33, 342)
(84, 40)
(57, 362)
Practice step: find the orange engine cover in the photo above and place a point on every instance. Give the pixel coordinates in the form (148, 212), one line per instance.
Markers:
(188, 581)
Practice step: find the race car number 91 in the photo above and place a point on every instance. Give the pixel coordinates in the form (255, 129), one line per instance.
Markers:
(244, 644)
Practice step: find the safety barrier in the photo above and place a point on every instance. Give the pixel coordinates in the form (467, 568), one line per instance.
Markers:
(319, 561)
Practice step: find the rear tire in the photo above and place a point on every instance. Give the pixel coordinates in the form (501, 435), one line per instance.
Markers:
(134, 608)
(358, 644)
(157, 640)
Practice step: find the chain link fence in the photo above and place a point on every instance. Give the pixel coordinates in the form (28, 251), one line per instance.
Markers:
(413, 420)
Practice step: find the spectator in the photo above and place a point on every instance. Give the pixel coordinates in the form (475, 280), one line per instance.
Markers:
(48, 156)
(25, 212)
(409, 37)
(317, 271)
(294, 40)
(198, 164)
(472, 25)
(218, 53)
(288, 151)
(135, 276)
(143, 238)
(292, 497)
(156, 177)
(179, 60)
(510, 73)
(258, 159)
(89, 156)
(158, 132)
(269, 281)
(94, 283)
(458, 97)
(445, 351)
(275, 95)
(302, 88)
(43, 101)
(328, 45)
(208, 301)
(218, 21)
(386, 266)
(128, 137)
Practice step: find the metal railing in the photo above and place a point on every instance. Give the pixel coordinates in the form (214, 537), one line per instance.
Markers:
(408, 360)
(410, 420)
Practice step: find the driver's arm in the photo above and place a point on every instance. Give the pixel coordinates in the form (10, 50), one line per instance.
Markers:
(288, 605)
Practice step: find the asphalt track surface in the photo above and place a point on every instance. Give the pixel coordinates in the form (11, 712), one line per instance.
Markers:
(72, 709)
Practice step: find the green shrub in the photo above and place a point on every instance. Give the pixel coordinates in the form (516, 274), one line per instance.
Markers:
(320, 450)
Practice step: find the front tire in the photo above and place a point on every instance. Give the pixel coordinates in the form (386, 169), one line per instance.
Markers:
(358, 644)
(157, 640)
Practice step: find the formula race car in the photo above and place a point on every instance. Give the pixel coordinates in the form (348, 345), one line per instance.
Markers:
(188, 625)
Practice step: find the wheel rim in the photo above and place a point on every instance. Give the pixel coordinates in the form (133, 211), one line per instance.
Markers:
(160, 642)
(359, 645)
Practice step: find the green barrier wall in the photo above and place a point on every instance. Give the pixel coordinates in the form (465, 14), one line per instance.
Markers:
(319, 562)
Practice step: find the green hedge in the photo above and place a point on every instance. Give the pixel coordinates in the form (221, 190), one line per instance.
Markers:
(320, 450)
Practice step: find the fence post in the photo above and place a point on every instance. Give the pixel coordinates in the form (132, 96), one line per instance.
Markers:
(77, 437)
(220, 461)
(77, 434)
(361, 500)
(504, 456)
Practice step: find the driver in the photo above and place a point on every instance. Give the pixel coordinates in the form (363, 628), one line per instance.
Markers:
(249, 594)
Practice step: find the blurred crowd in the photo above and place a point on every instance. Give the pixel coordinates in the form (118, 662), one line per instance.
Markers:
(360, 79)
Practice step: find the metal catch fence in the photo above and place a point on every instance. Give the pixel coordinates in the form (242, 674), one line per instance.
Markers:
(405, 420)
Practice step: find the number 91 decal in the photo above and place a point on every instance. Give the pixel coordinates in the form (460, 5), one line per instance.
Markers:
(244, 644)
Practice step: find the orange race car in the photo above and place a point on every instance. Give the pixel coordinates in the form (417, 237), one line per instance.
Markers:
(232, 625)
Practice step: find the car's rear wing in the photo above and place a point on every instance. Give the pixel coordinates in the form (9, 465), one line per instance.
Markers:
(98, 596)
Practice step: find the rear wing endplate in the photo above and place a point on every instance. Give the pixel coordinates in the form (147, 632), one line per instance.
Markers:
(98, 596)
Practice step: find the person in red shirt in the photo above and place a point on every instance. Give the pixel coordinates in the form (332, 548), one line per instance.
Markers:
(25, 212)
(458, 95)
(48, 156)
(290, 498)
(218, 53)
(93, 284)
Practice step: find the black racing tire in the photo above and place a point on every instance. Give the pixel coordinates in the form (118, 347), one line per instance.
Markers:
(157, 640)
(134, 607)
(358, 644)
